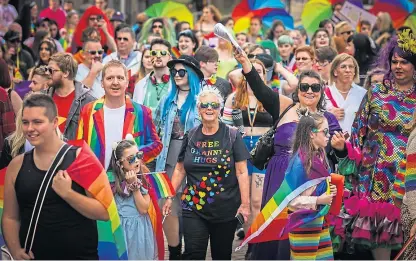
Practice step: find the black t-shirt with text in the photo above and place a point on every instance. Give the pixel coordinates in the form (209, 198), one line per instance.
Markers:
(212, 190)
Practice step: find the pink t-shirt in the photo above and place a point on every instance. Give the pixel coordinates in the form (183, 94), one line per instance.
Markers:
(59, 16)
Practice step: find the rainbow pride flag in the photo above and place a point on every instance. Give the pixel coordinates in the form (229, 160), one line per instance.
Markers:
(274, 222)
(111, 244)
(161, 184)
(175, 52)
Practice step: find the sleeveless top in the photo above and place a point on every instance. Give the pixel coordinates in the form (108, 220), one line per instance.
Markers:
(62, 233)
(263, 119)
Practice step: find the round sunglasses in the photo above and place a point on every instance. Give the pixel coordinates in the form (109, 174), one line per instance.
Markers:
(181, 72)
(157, 53)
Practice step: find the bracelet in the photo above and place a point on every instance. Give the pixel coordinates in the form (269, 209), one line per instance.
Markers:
(169, 197)
(135, 186)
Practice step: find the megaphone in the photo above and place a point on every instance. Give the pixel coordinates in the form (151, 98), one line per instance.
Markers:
(222, 32)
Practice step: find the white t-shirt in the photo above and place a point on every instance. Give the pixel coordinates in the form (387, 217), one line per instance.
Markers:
(113, 126)
(97, 90)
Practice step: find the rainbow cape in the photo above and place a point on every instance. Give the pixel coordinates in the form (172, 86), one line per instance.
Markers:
(88, 172)
(274, 222)
(161, 184)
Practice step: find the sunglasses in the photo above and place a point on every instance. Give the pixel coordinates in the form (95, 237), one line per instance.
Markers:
(205, 105)
(157, 26)
(100, 52)
(122, 38)
(304, 87)
(159, 53)
(95, 18)
(14, 41)
(45, 49)
(325, 131)
(302, 58)
(348, 32)
(181, 72)
(132, 158)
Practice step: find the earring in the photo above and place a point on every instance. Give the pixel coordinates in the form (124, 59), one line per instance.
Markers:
(414, 76)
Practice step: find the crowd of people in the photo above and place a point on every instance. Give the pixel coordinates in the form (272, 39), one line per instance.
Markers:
(159, 96)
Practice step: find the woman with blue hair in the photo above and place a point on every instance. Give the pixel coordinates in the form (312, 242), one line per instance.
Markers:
(177, 113)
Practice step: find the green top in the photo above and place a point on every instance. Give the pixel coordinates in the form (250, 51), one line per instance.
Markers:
(155, 93)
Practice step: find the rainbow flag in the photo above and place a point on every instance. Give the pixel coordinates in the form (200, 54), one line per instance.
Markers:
(161, 184)
(175, 52)
(274, 222)
(111, 244)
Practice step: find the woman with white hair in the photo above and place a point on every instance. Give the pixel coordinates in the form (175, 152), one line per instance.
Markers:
(213, 160)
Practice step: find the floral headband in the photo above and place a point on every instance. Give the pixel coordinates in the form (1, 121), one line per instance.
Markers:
(407, 41)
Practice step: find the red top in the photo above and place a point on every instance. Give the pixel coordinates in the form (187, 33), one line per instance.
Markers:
(64, 105)
(59, 16)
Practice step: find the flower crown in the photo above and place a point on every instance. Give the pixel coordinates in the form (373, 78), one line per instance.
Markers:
(407, 41)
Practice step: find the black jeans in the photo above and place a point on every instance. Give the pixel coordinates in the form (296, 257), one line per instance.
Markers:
(197, 231)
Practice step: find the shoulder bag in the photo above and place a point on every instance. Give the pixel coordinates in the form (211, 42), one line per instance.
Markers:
(264, 149)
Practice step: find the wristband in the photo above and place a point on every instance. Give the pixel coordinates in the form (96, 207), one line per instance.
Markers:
(169, 197)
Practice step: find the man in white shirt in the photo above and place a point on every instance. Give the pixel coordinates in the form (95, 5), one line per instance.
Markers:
(89, 71)
(125, 51)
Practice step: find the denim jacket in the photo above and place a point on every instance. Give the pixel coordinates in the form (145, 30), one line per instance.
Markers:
(164, 126)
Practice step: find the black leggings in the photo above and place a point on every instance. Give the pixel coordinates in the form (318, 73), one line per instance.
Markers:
(197, 231)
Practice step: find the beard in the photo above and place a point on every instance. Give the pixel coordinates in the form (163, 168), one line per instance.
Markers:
(57, 84)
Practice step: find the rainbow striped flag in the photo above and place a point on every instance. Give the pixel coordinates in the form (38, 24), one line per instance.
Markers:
(274, 222)
(161, 184)
(88, 172)
(175, 52)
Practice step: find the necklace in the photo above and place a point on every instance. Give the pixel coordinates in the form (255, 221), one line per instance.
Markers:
(251, 121)
(159, 89)
(401, 95)
(344, 92)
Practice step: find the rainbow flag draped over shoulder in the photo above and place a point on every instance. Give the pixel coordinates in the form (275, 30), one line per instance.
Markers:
(274, 222)
(156, 219)
(87, 171)
(161, 184)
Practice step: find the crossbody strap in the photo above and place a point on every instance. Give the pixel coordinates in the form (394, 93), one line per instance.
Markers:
(283, 114)
(59, 157)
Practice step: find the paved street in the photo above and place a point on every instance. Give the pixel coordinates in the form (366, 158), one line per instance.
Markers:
(236, 255)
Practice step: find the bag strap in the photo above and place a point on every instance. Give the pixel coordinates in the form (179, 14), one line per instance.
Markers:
(283, 114)
(59, 157)
(330, 97)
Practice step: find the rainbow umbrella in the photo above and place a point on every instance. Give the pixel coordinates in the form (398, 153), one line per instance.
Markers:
(411, 21)
(268, 10)
(399, 10)
(171, 9)
(314, 12)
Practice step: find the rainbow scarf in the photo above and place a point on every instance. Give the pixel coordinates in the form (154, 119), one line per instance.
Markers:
(137, 121)
(274, 222)
(111, 244)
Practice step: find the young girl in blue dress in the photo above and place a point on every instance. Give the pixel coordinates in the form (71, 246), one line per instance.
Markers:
(133, 200)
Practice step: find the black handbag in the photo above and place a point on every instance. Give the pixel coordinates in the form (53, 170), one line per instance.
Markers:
(264, 150)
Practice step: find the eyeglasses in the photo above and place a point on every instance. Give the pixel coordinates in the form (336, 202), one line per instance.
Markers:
(213, 61)
(95, 18)
(344, 67)
(52, 71)
(100, 52)
(159, 53)
(181, 72)
(205, 105)
(304, 87)
(348, 32)
(157, 26)
(122, 39)
(132, 158)
(44, 25)
(302, 58)
(45, 49)
(322, 64)
(325, 131)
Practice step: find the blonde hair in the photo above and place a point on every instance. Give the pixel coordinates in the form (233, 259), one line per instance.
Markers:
(66, 64)
(385, 21)
(340, 58)
(241, 100)
(339, 26)
(114, 63)
(41, 71)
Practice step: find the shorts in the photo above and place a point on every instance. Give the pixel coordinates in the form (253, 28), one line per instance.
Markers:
(250, 142)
